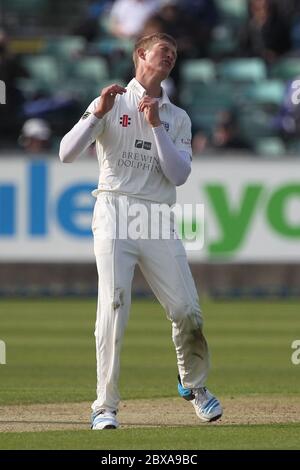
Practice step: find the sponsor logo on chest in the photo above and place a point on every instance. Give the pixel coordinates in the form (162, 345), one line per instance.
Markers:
(142, 144)
(125, 120)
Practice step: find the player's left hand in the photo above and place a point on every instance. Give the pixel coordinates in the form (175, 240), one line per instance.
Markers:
(149, 106)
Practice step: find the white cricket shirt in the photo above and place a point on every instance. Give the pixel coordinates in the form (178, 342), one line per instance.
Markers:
(126, 149)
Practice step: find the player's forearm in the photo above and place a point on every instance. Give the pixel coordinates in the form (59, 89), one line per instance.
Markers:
(175, 165)
(79, 138)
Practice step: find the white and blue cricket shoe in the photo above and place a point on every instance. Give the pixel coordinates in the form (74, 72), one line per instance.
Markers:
(207, 407)
(103, 419)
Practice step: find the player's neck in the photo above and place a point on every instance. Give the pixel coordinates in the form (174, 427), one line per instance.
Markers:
(152, 85)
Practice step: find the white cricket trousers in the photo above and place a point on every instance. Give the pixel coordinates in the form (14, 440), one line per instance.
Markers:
(164, 265)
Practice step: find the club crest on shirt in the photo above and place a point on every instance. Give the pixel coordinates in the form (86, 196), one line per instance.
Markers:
(125, 120)
(166, 125)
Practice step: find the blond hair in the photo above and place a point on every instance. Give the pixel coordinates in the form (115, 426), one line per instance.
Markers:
(146, 42)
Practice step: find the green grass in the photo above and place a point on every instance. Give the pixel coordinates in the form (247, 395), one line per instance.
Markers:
(51, 358)
(204, 437)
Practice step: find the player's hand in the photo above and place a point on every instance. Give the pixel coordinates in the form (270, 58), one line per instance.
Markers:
(107, 99)
(149, 106)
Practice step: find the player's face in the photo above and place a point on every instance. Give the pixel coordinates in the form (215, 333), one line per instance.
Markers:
(161, 57)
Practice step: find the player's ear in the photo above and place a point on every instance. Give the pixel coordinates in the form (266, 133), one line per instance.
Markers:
(141, 53)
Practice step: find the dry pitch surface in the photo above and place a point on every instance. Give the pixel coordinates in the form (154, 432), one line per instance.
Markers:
(150, 413)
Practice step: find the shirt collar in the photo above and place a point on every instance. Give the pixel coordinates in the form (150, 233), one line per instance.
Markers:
(140, 91)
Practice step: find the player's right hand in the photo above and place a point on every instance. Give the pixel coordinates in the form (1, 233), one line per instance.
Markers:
(107, 99)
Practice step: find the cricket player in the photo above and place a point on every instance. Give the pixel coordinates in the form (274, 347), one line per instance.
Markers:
(143, 144)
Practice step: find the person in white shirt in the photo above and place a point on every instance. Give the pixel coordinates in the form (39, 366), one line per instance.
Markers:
(127, 17)
(143, 145)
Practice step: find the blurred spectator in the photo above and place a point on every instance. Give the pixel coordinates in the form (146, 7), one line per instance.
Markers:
(154, 24)
(200, 142)
(190, 23)
(226, 133)
(172, 20)
(129, 16)
(10, 70)
(287, 9)
(89, 25)
(204, 9)
(201, 16)
(266, 33)
(287, 122)
(36, 136)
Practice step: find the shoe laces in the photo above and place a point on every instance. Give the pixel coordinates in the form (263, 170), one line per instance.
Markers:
(200, 395)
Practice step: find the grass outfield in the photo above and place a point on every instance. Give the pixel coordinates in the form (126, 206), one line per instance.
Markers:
(51, 359)
(208, 438)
